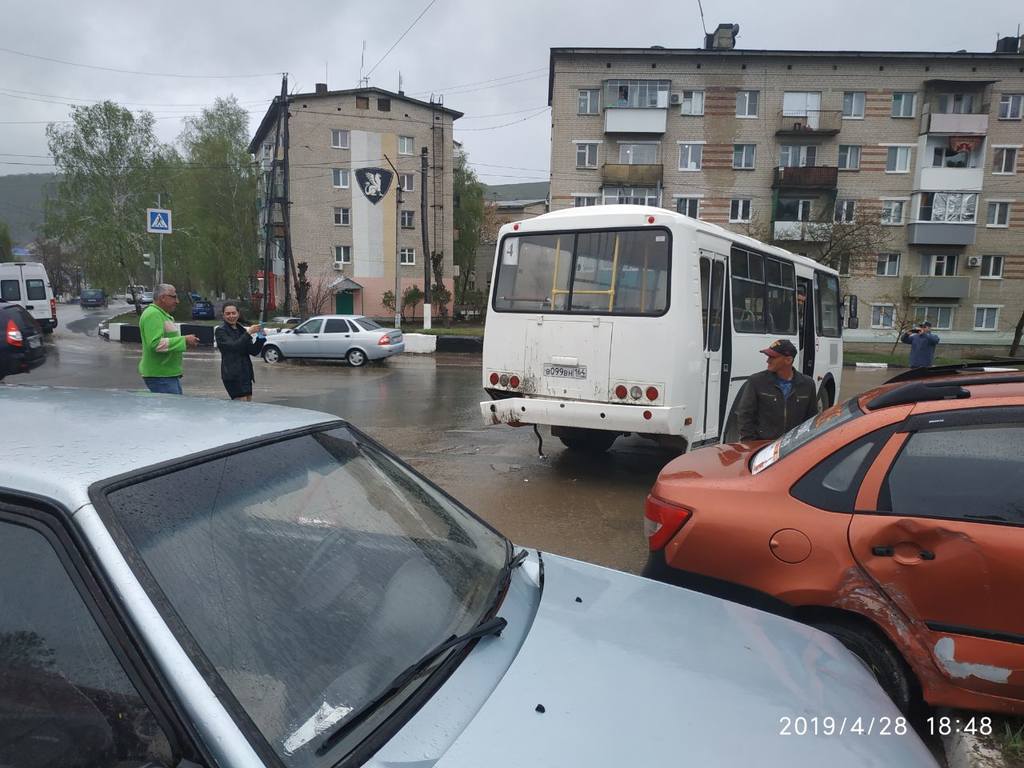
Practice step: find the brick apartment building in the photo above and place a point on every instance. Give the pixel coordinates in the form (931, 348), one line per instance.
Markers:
(350, 242)
(928, 144)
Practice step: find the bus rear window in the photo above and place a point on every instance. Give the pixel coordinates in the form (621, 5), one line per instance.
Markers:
(36, 290)
(619, 272)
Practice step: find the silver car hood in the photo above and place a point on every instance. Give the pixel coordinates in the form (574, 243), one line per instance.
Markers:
(617, 670)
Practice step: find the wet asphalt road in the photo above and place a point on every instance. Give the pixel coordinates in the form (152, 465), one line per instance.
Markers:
(425, 408)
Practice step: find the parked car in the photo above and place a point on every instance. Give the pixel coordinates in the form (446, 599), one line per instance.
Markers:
(336, 337)
(93, 297)
(202, 310)
(26, 283)
(21, 343)
(146, 297)
(286, 320)
(893, 521)
(342, 609)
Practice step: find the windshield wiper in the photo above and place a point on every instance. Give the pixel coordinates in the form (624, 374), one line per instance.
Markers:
(491, 627)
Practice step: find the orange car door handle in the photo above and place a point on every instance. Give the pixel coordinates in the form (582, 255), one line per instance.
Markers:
(883, 551)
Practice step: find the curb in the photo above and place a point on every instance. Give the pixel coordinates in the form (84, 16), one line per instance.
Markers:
(965, 750)
(871, 365)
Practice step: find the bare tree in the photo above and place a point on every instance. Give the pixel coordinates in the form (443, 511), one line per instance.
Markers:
(319, 297)
(1018, 331)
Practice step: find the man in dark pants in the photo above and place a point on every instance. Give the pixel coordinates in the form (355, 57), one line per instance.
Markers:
(922, 345)
(776, 399)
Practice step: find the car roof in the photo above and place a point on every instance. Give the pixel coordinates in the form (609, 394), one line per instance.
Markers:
(334, 317)
(51, 447)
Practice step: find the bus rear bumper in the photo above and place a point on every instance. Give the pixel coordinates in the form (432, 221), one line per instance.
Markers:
(521, 411)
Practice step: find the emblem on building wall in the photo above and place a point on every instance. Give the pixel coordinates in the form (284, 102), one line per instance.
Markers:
(375, 182)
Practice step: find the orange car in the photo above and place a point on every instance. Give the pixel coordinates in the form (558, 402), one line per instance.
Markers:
(894, 521)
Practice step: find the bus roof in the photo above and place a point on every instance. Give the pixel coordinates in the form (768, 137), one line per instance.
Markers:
(633, 215)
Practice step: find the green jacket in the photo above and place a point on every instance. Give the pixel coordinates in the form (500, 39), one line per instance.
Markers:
(162, 344)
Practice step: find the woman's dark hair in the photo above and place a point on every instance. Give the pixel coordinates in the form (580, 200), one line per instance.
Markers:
(241, 320)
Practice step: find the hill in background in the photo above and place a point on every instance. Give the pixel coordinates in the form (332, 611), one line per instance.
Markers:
(21, 204)
(535, 190)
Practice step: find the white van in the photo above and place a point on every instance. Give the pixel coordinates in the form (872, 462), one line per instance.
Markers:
(26, 283)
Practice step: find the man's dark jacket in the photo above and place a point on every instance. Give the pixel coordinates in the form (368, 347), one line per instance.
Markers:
(235, 346)
(764, 414)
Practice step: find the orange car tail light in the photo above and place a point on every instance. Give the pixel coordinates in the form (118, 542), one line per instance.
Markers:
(662, 521)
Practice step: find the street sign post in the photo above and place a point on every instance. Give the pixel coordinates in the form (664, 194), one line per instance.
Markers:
(158, 222)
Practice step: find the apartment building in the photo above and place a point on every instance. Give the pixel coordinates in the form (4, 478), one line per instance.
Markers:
(353, 237)
(779, 143)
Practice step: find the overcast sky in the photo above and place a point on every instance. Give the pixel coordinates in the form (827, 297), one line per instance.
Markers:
(489, 59)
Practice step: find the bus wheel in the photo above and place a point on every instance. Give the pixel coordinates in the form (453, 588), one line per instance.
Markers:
(824, 399)
(586, 440)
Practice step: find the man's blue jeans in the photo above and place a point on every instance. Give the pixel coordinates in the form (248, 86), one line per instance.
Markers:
(163, 385)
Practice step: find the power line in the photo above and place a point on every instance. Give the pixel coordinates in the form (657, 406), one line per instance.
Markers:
(389, 50)
(132, 71)
(5, 90)
(481, 82)
(701, 8)
(504, 125)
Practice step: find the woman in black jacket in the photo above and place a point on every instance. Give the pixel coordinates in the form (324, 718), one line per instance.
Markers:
(236, 346)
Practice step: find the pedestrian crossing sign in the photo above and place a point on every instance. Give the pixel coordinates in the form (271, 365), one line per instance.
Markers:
(158, 221)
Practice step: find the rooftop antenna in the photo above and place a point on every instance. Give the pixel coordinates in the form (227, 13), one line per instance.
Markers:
(363, 81)
(400, 81)
(325, 72)
(705, 26)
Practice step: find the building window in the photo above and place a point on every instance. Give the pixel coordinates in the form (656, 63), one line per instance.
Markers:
(589, 101)
(903, 104)
(584, 201)
(689, 206)
(941, 318)
(853, 105)
(892, 211)
(342, 217)
(1010, 106)
(586, 155)
(362, 102)
(744, 155)
(691, 157)
(631, 196)
(897, 160)
(383, 104)
(1005, 160)
(406, 145)
(887, 265)
(739, 210)
(638, 154)
(407, 256)
(954, 103)
(946, 157)
(939, 265)
(407, 181)
(636, 94)
(746, 103)
(844, 265)
(846, 211)
(408, 219)
(992, 267)
(998, 215)
(340, 176)
(797, 155)
(986, 318)
(343, 254)
(692, 103)
(793, 209)
(849, 157)
(339, 139)
(955, 207)
(882, 315)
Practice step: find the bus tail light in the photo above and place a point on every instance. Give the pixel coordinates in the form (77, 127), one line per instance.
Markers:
(513, 381)
(493, 379)
(662, 521)
(14, 337)
(652, 393)
(621, 392)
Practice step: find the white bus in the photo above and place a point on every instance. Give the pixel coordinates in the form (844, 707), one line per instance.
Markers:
(624, 319)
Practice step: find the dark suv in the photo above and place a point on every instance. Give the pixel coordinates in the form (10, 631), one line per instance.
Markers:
(21, 341)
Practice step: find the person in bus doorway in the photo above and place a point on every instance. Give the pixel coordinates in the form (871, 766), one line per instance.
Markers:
(236, 345)
(922, 345)
(776, 399)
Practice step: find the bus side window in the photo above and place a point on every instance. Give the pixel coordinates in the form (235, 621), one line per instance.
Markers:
(748, 291)
(705, 289)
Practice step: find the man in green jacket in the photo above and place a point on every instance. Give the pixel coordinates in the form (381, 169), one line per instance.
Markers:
(162, 343)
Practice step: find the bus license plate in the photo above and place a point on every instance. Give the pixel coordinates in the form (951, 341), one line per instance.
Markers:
(566, 371)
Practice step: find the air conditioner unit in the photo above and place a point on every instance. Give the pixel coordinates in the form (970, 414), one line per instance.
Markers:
(675, 98)
(974, 261)
(340, 266)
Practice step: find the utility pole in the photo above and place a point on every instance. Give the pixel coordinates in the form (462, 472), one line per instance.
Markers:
(286, 204)
(160, 259)
(272, 199)
(426, 239)
(398, 251)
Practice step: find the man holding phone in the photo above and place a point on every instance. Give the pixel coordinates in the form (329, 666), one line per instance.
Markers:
(922, 345)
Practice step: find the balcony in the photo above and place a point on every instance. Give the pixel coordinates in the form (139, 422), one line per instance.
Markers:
(816, 122)
(940, 233)
(621, 174)
(635, 120)
(809, 177)
(941, 179)
(929, 287)
(808, 231)
(964, 125)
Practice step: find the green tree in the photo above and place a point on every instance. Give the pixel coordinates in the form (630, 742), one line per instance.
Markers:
(214, 196)
(411, 297)
(110, 164)
(469, 219)
(5, 243)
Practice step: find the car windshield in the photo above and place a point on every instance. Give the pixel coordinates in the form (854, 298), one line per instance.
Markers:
(800, 435)
(308, 573)
(369, 325)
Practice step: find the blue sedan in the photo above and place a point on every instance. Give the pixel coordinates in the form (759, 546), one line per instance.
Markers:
(202, 310)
